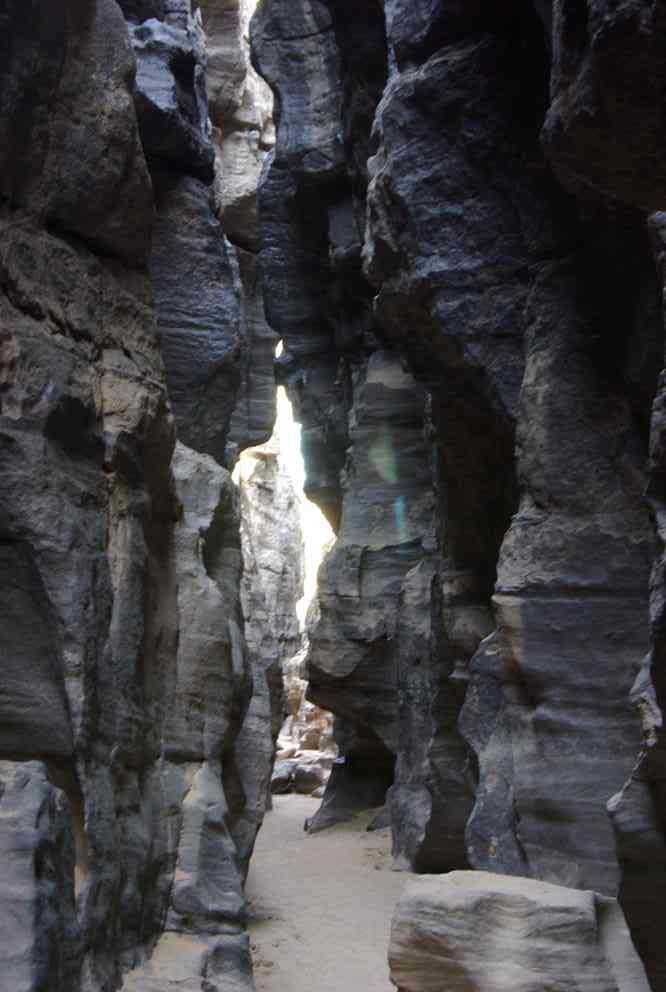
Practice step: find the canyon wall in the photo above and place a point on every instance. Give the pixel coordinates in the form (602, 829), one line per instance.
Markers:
(461, 241)
(128, 322)
(273, 574)
(458, 235)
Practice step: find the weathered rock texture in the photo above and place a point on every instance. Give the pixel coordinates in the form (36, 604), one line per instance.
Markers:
(462, 244)
(483, 932)
(307, 727)
(458, 198)
(125, 678)
(241, 110)
(240, 105)
(272, 585)
(207, 697)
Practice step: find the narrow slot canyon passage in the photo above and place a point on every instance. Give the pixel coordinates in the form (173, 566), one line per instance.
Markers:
(308, 894)
(320, 904)
(332, 496)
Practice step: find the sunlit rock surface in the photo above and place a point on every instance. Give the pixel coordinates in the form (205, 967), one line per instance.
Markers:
(241, 110)
(272, 585)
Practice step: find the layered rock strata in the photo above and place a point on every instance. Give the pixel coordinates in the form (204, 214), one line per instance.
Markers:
(126, 679)
(444, 203)
(273, 555)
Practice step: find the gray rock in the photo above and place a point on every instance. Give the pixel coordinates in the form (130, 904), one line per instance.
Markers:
(283, 777)
(308, 778)
(213, 684)
(492, 829)
(294, 265)
(493, 290)
(198, 305)
(76, 160)
(254, 414)
(386, 529)
(126, 624)
(293, 45)
(307, 727)
(637, 811)
(273, 557)
(431, 798)
(359, 778)
(241, 110)
(38, 926)
(171, 96)
(416, 31)
(386, 525)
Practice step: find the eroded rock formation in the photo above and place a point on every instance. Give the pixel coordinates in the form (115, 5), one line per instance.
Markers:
(534, 936)
(461, 242)
(461, 192)
(272, 585)
(126, 678)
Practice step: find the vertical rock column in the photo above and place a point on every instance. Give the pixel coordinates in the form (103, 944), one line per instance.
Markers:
(273, 554)
(86, 505)
(363, 415)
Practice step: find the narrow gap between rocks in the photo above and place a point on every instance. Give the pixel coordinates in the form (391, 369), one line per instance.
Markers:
(295, 935)
(285, 537)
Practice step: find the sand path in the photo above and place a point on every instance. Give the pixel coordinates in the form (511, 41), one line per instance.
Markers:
(320, 905)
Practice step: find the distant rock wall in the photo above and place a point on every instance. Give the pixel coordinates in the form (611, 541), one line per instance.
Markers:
(273, 554)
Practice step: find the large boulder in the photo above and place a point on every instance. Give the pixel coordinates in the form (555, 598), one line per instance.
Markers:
(477, 932)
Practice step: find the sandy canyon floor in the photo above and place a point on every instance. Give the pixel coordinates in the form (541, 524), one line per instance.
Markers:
(320, 905)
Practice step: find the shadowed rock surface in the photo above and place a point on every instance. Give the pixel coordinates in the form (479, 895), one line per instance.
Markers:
(478, 214)
(125, 674)
(461, 241)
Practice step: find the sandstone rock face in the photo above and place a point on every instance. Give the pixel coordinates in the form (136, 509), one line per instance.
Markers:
(241, 110)
(411, 220)
(82, 54)
(198, 304)
(241, 107)
(608, 61)
(386, 521)
(307, 727)
(255, 409)
(86, 508)
(126, 679)
(272, 585)
(39, 930)
(218, 356)
(533, 936)
(453, 246)
(208, 695)
(170, 93)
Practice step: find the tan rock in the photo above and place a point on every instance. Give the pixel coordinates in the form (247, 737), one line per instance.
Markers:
(477, 932)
